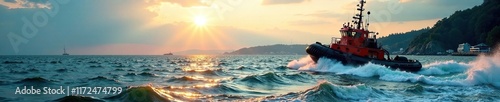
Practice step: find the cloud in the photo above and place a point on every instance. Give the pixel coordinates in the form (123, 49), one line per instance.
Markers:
(404, 1)
(274, 2)
(79, 23)
(323, 14)
(309, 22)
(447, 3)
(413, 10)
(294, 36)
(327, 14)
(95, 27)
(185, 3)
(17, 4)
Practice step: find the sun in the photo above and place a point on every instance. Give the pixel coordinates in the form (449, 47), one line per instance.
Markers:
(200, 21)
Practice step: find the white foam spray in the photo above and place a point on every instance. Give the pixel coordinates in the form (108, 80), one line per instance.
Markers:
(484, 70)
(444, 68)
(480, 71)
(305, 62)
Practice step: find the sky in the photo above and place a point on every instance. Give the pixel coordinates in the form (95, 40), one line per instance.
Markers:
(153, 27)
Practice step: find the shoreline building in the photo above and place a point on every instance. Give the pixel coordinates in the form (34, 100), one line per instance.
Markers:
(480, 48)
(465, 49)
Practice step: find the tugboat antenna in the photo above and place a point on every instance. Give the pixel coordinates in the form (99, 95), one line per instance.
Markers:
(368, 20)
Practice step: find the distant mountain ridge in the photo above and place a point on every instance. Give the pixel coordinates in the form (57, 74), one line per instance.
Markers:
(480, 24)
(200, 52)
(278, 49)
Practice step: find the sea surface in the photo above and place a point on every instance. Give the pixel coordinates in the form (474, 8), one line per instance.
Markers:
(246, 78)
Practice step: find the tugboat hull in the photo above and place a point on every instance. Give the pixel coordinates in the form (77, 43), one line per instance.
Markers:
(317, 51)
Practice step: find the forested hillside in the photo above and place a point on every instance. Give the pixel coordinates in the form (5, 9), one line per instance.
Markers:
(394, 42)
(480, 24)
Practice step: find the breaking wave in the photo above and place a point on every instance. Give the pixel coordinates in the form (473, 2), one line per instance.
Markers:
(277, 79)
(102, 78)
(477, 72)
(78, 99)
(484, 70)
(444, 68)
(214, 72)
(35, 80)
(147, 74)
(140, 94)
(265, 79)
(185, 79)
(222, 89)
(328, 92)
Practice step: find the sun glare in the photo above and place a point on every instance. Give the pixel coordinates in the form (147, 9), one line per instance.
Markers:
(200, 20)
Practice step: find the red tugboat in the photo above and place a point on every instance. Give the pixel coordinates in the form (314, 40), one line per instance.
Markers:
(358, 46)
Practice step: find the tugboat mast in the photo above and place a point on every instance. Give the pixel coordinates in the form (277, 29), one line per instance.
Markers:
(359, 17)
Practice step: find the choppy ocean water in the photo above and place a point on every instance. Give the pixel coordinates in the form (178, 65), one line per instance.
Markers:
(248, 78)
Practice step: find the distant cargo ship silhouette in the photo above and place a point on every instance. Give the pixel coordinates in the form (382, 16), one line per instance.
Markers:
(169, 53)
(65, 53)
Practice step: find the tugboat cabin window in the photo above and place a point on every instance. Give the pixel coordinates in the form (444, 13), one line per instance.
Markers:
(349, 34)
(358, 34)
